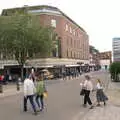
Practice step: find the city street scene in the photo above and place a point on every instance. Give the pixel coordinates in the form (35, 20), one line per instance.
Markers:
(59, 60)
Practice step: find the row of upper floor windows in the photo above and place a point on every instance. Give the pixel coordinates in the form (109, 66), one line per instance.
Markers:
(67, 28)
(116, 43)
(76, 43)
(73, 31)
(76, 55)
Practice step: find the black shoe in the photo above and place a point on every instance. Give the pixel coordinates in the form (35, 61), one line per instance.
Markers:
(98, 105)
(25, 110)
(91, 107)
(35, 113)
(104, 104)
(84, 105)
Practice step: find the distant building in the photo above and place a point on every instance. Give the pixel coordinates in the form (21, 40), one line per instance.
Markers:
(105, 59)
(101, 58)
(105, 55)
(116, 49)
(94, 59)
(93, 56)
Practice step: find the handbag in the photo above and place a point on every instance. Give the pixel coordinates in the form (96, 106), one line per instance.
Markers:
(45, 94)
(82, 92)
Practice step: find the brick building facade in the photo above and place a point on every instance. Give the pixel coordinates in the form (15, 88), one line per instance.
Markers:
(73, 39)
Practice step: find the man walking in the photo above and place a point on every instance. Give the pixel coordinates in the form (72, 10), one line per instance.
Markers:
(88, 88)
(29, 91)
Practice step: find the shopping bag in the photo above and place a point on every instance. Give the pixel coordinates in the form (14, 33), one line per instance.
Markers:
(45, 94)
(82, 92)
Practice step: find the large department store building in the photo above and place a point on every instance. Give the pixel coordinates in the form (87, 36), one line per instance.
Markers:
(73, 39)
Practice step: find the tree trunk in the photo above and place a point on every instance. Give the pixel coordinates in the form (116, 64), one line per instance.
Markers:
(22, 72)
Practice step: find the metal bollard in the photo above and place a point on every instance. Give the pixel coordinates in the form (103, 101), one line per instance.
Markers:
(1, 88)
(18, 86)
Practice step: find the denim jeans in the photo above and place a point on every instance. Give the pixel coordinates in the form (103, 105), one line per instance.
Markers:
(40, 97)
(30, 97)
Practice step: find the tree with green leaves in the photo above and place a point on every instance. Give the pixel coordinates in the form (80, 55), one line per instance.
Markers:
(93, 50)
(23, 37)
(115, 71)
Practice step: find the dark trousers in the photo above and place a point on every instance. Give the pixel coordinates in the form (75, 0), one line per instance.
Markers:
(1, 82)
(30, 97)
(40, 97)
(87, 98)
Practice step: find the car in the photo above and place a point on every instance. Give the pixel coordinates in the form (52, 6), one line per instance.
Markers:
(47, 74)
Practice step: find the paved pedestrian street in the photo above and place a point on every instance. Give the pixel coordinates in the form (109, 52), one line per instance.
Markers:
(110, 112)
(63, 102)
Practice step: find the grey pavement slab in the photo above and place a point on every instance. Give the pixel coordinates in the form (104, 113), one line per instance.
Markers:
(109, 112)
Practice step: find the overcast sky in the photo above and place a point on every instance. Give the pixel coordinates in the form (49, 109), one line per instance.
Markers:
(100, 18)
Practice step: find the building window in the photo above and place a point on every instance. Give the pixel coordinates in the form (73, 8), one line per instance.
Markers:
(78, 55)
(66, 27)
(53, 23)
(1, 55)
(71, 54)
(71, 43)
(74, 55)
(77, 34)
(67, 53)
(80, 35)
(4, 56)
(68, 41)
(77, 44)
(74, 32)
(13, 56)
(70, 30)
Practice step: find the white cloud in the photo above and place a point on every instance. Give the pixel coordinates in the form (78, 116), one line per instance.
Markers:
(100, 18)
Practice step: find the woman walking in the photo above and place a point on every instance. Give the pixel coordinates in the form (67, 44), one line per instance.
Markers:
(40, 87)
(101, 97)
